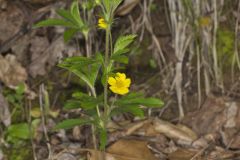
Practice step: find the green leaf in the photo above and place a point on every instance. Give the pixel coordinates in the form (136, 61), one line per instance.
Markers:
(85, 68)
(54, 22)
(70, 123)
(20, 89)
(131, 95)
(93, 73)
(107, 5)
(122, 42)
(83, 101)
(66, 15)
(115, 4)
(120, 58)
(121, 51)
(76, 14)
(68, 34)
(135, 110)
(20, 130)
(148, 102)
(103, 138)
(138, 99)
(72, 104)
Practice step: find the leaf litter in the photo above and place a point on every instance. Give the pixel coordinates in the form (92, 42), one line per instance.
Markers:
(207, 133)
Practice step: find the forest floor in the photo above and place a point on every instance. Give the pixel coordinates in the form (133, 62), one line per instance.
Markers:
(210, 129)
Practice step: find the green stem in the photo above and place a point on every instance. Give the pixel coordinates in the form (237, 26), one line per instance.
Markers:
(106, 63)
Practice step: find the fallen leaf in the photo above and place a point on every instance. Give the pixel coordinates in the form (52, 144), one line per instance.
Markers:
(11, 21)
(11, 71)
(45, 55)
(124, 150)
(131, 149)
(66, 156)
(174, 132)
(126, 7)
(1, 155)
(39, 1)
(183, 154)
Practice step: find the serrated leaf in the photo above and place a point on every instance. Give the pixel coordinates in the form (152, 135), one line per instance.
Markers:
(138, 99)
(86, 104)
(120, 58)
(83, 101)
(68, 34)
(115, 4)
(135, 110)
(85, 68)
(72, 104)
(76, 14)
(122, 42)
(54, 22)
(131, 95)
(148, 102)
(121, 51)
(107, 5)
(66, 15)
(70, 123)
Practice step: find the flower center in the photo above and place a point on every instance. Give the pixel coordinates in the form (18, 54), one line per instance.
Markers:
(120, 84)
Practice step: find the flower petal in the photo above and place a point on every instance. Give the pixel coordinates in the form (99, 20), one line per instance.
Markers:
(121, 75)
(114, 89)
(111, 81)
(127, 82)
(123, 91)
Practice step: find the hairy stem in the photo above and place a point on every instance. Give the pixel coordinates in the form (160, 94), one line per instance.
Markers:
(106, 75)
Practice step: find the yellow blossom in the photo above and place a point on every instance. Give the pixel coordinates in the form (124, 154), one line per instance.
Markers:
(119, 84)
(102, 23)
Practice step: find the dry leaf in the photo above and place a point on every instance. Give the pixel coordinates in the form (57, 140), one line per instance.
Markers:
(183, 154)
(46, 55)
(131, 149)
(125, 150)
(174, 132)
(11, 71)
(66, 156)
(126, 7)
(11, 21)
(207, 120)
(39, 1)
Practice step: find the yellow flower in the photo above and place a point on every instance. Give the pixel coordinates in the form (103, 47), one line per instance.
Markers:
(119, 84)
(102, 23)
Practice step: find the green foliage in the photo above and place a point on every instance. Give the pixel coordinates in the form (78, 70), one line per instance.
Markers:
(83, 101)
(71, 19)
(15, 99)
(103, 138)
(225, 47)
(133, 109)
(131, 103)
(18, 131)
(121, 44)
(85, 68)
(70, 123)
(19, 152)
(97, 109)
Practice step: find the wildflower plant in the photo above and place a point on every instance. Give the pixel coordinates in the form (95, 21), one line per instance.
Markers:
(99, 108)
